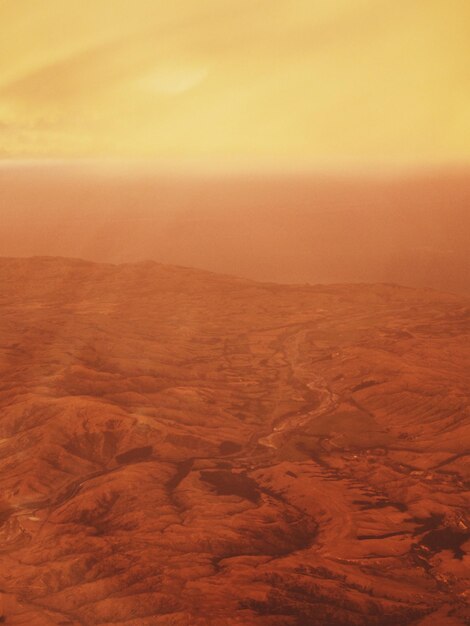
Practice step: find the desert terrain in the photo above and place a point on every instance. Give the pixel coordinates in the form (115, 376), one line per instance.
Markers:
(186, 448)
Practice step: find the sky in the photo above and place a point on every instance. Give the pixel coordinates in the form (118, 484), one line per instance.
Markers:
(254, 81)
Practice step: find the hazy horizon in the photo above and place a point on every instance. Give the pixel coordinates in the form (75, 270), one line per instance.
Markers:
(281, 439)
(408, 228)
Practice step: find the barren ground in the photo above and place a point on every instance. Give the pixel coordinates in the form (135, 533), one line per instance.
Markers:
(189, 449)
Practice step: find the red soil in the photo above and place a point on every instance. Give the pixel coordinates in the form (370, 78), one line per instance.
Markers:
(188, 449)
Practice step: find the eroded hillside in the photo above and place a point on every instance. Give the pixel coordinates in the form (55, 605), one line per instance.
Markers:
(187, 449)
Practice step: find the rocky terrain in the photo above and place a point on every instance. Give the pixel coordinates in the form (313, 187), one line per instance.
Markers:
(182, 448)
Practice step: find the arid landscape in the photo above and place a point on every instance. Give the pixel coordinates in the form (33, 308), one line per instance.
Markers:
(185, 448)
(234, 313)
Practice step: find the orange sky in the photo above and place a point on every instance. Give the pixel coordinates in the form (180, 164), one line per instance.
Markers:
(303, 81)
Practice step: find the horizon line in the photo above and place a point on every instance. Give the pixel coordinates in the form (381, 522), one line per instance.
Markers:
(234, 167)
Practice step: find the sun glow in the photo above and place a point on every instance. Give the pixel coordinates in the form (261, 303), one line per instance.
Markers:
(308, 82)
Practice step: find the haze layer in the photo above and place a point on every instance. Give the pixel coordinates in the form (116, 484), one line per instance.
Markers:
(411, 230)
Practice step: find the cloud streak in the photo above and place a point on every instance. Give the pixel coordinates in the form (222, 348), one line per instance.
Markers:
(311, 82)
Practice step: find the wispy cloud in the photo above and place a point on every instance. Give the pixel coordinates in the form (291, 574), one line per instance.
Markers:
(247, 79)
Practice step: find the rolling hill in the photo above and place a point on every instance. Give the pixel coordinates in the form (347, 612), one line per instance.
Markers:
(184, 448)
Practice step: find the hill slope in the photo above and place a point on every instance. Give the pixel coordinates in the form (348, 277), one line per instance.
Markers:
(179, 447)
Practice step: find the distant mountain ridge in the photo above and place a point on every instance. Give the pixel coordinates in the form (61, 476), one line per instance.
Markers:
(410, 229)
